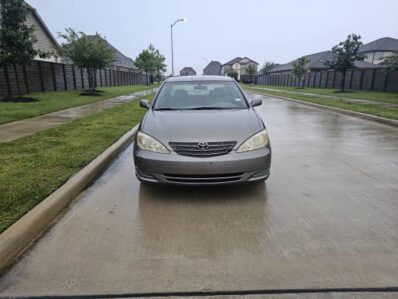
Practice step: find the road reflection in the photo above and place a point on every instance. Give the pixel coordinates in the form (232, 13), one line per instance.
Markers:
(201, 221)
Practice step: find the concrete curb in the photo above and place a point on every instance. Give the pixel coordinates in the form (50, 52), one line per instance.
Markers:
(26, 230)
(386, 121)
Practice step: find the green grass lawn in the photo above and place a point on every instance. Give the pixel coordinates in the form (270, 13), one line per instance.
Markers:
(377, 96)
(33, 167)
(46, 102)
(373, 109)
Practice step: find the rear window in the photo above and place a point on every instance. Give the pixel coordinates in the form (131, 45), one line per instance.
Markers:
(200, 95)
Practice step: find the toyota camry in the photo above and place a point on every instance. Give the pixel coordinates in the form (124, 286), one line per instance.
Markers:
(201, 130)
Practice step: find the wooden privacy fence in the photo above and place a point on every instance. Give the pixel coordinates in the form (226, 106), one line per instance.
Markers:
(359, 79)
(49, 76)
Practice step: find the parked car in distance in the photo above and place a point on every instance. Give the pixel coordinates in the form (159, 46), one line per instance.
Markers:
(201, 131)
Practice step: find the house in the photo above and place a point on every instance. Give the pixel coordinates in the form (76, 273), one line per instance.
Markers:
(122, 62)
(213, 69)
(187, 71)
(316, 62)
(238, 66)
(377, 50)
(46, 42)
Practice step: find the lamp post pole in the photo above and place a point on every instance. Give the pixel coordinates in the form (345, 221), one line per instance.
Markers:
(171, 36)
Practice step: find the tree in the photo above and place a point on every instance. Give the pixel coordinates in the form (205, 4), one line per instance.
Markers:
(91, 53)
(300, 68)
(268, 65)
(344, 56)
(145, 61)
(391, 63)
(159, 62)
(16, 38)
(250, 70)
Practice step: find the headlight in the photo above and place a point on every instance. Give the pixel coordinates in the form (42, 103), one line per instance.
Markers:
(149, 143)
(257, 141)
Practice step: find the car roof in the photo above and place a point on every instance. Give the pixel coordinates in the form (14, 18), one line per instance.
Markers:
(199, 78)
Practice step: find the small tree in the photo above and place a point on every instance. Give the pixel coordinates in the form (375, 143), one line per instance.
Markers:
(300, 68)
(268, 65)
(251, 71)
(159, 62)
(345, 55)
(145, 61)
(16, 38)
(91, 53)
(391, 63)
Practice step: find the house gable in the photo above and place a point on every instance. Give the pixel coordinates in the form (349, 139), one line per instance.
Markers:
(46, 42)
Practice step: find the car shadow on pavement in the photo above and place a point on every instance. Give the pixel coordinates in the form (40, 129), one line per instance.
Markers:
(209, 194)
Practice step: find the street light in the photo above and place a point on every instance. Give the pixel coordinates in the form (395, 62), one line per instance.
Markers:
(171, 32)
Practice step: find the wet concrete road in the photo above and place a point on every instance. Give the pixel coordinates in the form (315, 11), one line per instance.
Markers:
(326, 218)
(17, 129)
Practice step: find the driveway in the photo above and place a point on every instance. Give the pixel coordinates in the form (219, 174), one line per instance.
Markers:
(326, 218)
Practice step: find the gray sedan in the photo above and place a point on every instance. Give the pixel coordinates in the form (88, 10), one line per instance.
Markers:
(201, 131)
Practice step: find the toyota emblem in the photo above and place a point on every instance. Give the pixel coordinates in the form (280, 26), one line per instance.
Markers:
(203, 145)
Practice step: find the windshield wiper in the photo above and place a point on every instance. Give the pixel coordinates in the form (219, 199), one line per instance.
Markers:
(165, 109)
(205, 108)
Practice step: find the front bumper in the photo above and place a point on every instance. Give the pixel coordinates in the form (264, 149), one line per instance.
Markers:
(184, 170)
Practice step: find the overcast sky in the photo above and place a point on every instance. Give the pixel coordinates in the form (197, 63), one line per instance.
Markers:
(278, 31)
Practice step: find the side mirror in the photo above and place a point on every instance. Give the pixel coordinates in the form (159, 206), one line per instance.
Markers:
(256, 102)
(145, 104)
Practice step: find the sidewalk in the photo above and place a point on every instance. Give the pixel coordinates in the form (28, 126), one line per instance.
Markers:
(348, 100)
(17, 129)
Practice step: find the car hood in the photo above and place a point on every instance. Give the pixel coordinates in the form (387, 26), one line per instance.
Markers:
(201, 126)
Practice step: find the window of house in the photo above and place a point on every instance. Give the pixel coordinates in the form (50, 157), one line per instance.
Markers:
(378, 56)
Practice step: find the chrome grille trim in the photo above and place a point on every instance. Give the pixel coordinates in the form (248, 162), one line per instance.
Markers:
(213, 149)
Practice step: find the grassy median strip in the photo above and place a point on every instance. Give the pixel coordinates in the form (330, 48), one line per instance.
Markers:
(46, 102)
(372, 109)
(33, 167)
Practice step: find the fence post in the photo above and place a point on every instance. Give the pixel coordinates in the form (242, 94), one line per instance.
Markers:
(327, 79)
(385, 81)
(320, 79)
(350, 82)
(81, 74)
(64, 73)
(361, 79)
(53, 75)
(25, 76)
(74, 76)
(7, 77)
(334, 78)
(313, 82)
(373, 79)
(106, 81)
(40, 76)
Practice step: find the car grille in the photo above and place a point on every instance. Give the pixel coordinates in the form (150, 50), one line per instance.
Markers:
(210, 148)
(203, 179)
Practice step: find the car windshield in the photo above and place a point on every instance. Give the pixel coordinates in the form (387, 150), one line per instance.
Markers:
(200, 96)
